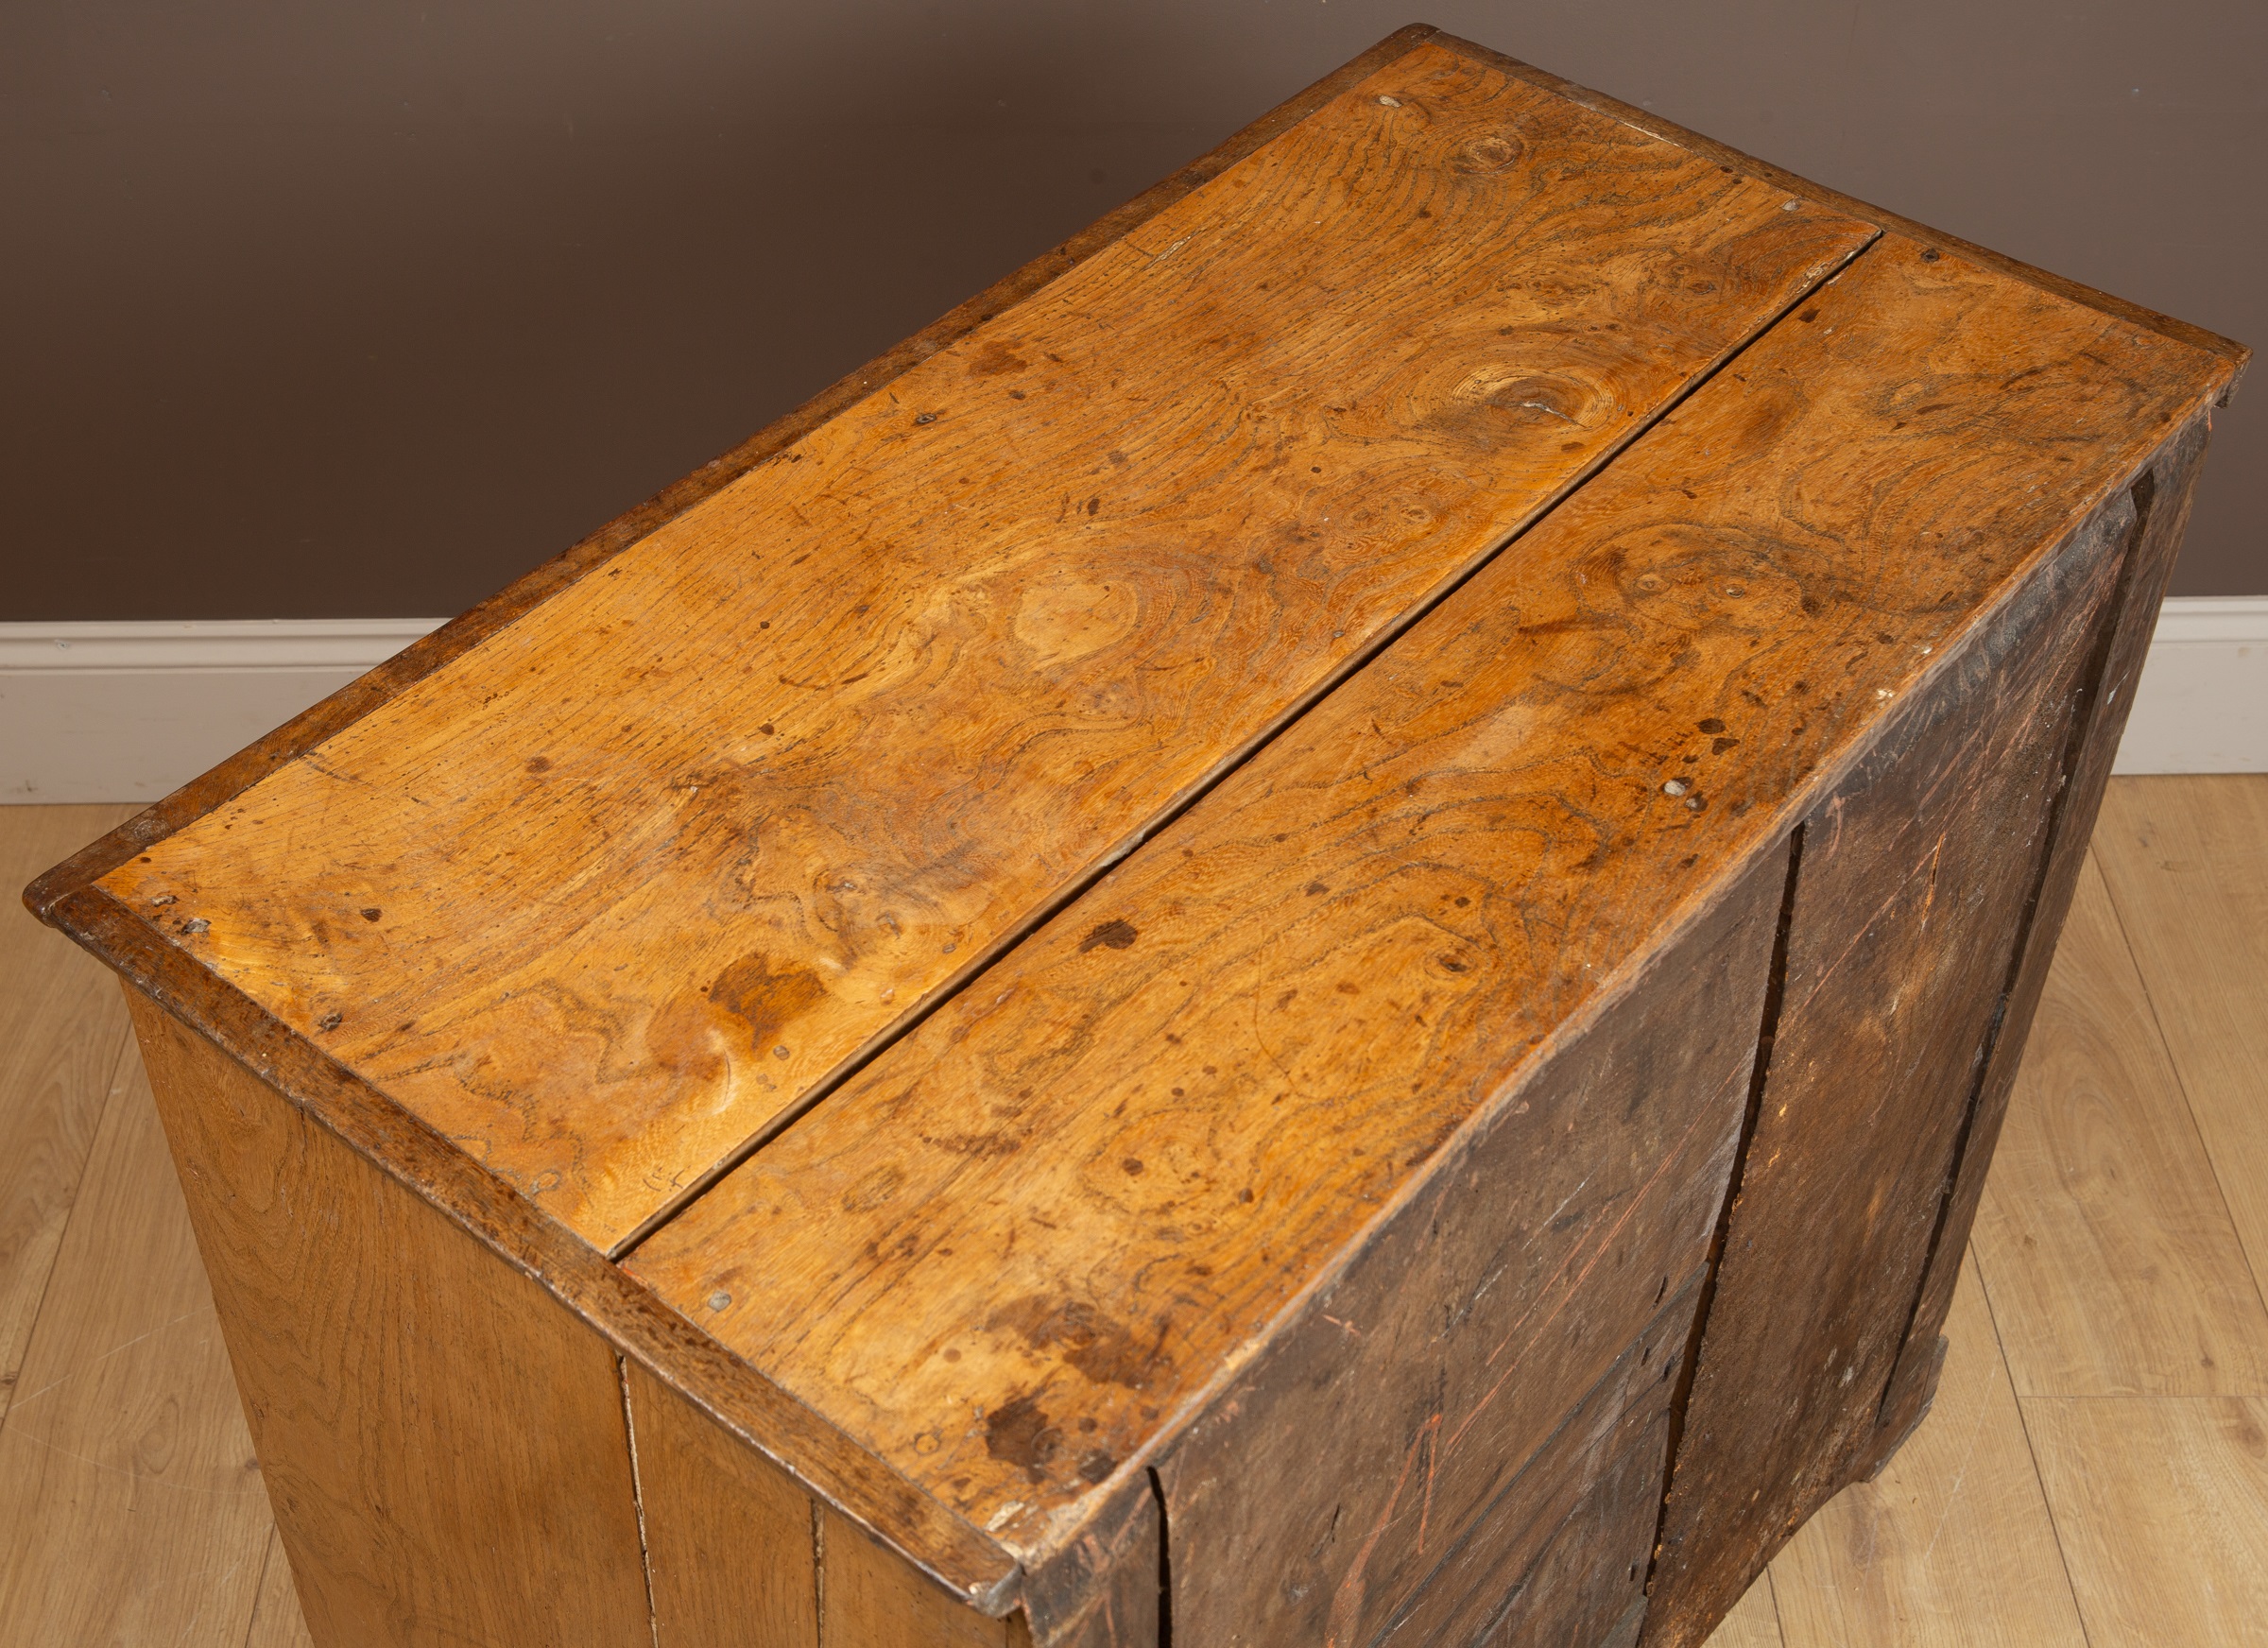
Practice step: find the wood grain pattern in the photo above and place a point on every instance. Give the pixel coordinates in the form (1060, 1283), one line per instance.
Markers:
(739, 1397)
(1952, 1542)
(1974, 1612)
(414, 662)
(2161, 497)
(1108, 1589)
(651, 863)
(732, 1541)
(2186, 862)
(65, 1048)
(342, 709)
(1754, 1622)
(1908, 909)
(953, 1254)
(2102, 1235)
(444, 1447)
(1559, 1555)
(869, 1598)
(277, 1621)
(575, 908)
(1315, 1493)
(2197, 337)
(2161, 1505)
(131, 1508)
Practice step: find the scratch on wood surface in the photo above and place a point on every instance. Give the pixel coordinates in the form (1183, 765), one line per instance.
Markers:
(23, 1401)
(252, 1482)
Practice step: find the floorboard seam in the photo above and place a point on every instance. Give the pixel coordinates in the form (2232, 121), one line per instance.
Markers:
(2181, 1081)
(2023, 1423)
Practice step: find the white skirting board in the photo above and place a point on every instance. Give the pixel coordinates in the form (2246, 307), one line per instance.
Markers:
(2202, 706)
(128, 711)
(131, 712)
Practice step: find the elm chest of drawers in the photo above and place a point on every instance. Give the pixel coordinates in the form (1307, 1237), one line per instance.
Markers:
(1309, 931)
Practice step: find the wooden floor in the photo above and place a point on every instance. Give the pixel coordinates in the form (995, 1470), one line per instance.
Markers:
(2095, 1471)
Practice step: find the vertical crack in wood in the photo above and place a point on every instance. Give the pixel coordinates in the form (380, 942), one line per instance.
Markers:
(1759, 1072)
(818, 1573)
(645, 1554)
(2085, 715)
(1165, 1565)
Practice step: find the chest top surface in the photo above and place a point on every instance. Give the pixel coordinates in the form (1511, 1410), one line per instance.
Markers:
(980, 912)
(609, 894)
(1093, 1182)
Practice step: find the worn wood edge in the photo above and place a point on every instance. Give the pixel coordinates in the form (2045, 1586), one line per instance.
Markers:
(321, 722)
(1772, 832)
(2174, 470)
(822, 1458)
(1914, 1369)
(1128, 1527)
(2233, 354)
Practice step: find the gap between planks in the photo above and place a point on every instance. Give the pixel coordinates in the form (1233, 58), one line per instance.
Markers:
(1078, 884)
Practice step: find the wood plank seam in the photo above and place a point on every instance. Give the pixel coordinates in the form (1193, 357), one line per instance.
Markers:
(1875, 1108)
(964, 1559)
(1776, 980)
(2075, 741)
(2158, 1028)
(1083, 882)
(645, 1550)
(2030, 1449)
(584, 1306)
(9, 1399)
(312, 727)
(2174, 468)
(2174, 1006)
(912, 1506)
(1610, 1403)
(1416, 495)
(1653, 125)
(819, 1569)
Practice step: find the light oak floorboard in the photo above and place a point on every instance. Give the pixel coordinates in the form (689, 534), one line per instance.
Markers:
(2114, 1267)
(2187, 861)
(1754, 1622)
(132, 1510)
(2163, 1508)
(63, 1041)
(277, 1621)
(1952, 1544)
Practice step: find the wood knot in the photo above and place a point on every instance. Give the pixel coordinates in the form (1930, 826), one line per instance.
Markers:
(1485, 154)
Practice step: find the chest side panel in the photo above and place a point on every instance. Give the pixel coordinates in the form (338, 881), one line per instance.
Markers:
(603, 897)
(1047, 1230)
(1559, 1555)
(1910, 904)
(2161, 498)
(443, 1444)
(1322, 1488)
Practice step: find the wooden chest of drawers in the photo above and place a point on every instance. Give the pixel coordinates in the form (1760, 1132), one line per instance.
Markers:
(1311, 930)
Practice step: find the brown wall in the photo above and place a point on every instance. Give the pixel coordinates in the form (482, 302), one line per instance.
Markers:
(316, 309)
